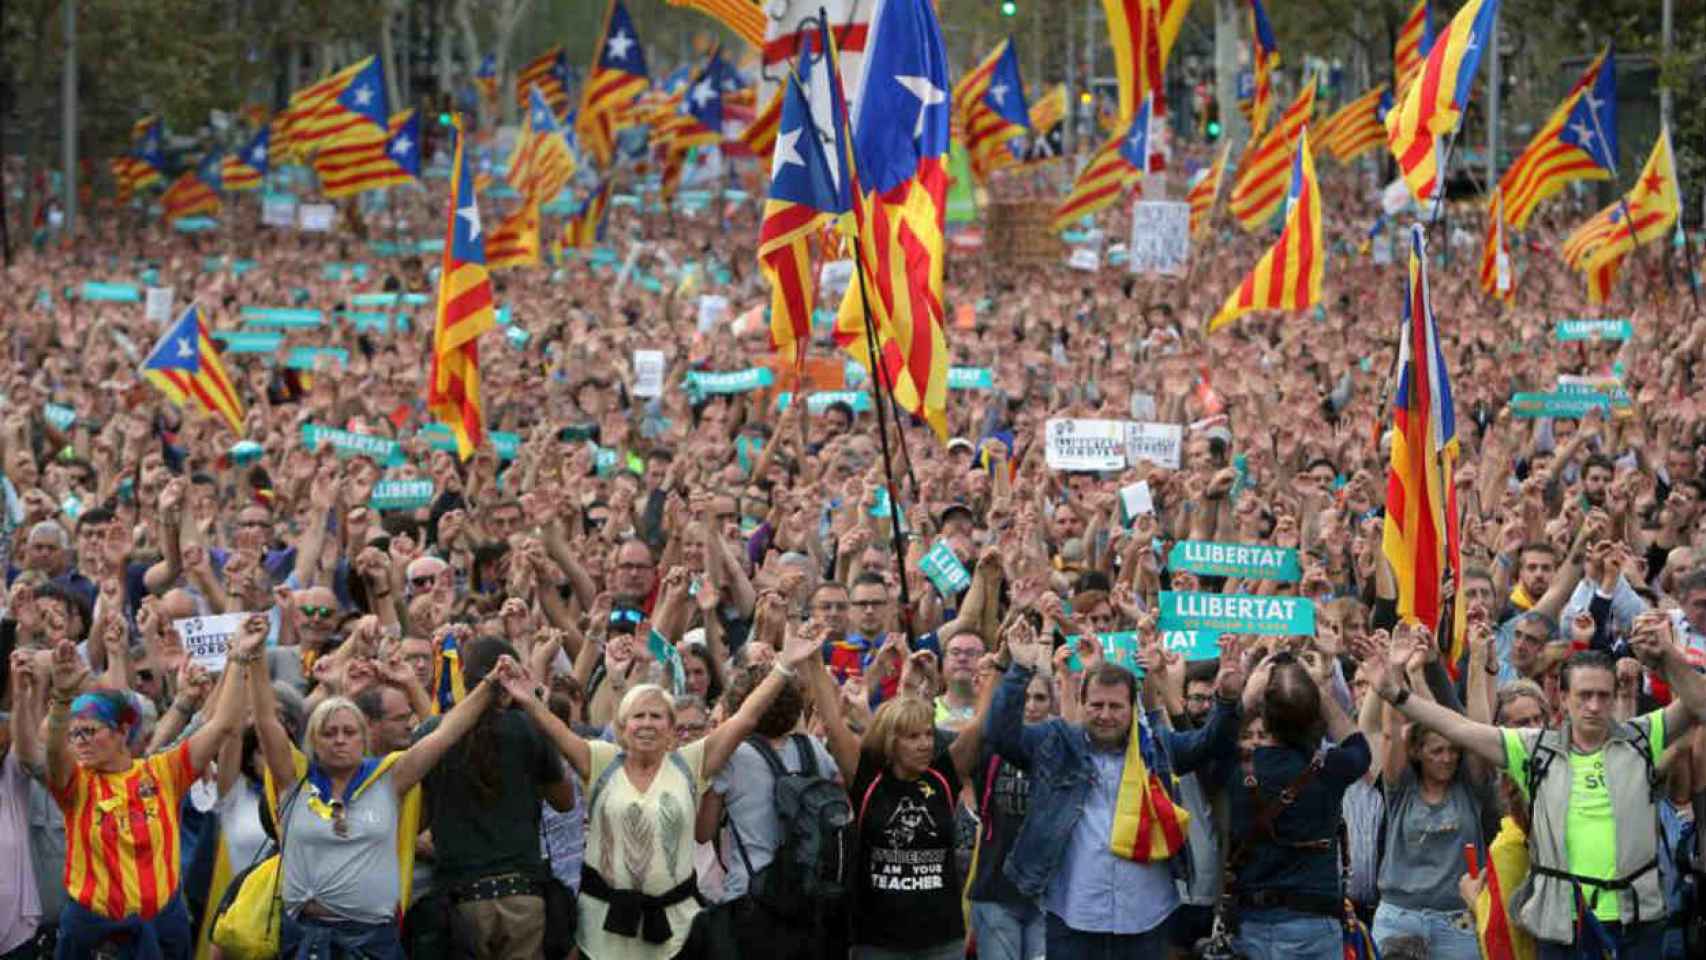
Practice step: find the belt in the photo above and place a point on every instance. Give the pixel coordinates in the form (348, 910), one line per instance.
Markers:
(493, 888)
(634, 914)
(1286, 900)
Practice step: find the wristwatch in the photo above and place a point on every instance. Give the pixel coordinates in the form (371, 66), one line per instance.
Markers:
(1398, 698)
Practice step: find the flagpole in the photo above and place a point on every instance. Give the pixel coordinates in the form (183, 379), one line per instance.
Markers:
(1688, 264)
(879, 384)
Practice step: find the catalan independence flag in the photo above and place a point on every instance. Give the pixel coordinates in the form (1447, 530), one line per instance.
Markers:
(1420, 535)
(1205, 193)
(373, 161)
(352, 105)
(900, 208)
(1647, 212)
(147, 159)
(247, 168)
(185, 367)
(1142, 34)
(1415, 40)
(1577, 142)
(1356, 128)
(464, 312)
(195, 192)
(585, 228)
(760, 135)
(1264, 57)
(1430, 109)
(548, 74)
(744, 17)
(486, 77)
(1498, 273)
(1288, 277)
(989, 106)
(541, 163)
(807, 190)
(618, 75)
(515, 242)
(1262, 185)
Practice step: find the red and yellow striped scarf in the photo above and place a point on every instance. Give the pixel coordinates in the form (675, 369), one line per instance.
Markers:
(1148, 826)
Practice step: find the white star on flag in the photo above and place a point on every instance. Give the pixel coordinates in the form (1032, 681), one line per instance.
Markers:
(788, 148)
(928, 95)
(363, 95)
(999, 92)
(402, 146)
(184, 348)
(703, 92)
(471, 213)
(259, 154)
(1583, 133)
(618, 45)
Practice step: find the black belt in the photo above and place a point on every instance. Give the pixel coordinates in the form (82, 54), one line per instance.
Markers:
(493, 888)
(1620, 883)
(633, 913)
(1286, 900)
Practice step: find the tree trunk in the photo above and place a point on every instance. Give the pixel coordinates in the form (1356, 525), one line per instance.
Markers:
(1226, 39)
(388, 53)
(443, 29)
(471, 54)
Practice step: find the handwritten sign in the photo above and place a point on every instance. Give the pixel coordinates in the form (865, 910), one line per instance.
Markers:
(1248, 561)
(1085, 444)
(1275, 616)
(1159, 443)
(648, 373)
(315, 217)
(157, 307)
(1160, 237)
(945, 570)
(207, 640)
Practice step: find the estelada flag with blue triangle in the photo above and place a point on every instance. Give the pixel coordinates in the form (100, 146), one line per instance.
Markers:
(618, 75)
(185, 367)
(464, 312)
(247, 168)
(900, 147)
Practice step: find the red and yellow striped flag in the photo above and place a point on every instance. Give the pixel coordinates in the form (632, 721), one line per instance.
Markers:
(1288, 277)
(743, 17)
(465, 311)
(1430, 109)
(1415, 39)
(1570, 145)
(515, 242)
(1261, 186)
(1206, 193)
(1142, 34)
(760, 135)
(1498, 273)
(184, 365)
(1355, 128)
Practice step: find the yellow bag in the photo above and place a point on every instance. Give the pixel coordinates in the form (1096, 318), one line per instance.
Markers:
(247, 925)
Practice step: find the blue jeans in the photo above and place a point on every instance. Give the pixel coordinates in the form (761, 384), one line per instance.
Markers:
(1448, 935)
(1289, 935)
(167, 935)
(1640, 942)
(1007, 932)
(1065, 943)
(316, 938)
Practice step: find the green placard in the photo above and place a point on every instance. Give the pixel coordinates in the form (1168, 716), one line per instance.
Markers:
(1242, 560)
(822, 400)
(194, 224)
(249, 341)
(283, 318)
(366, 321)
(113, 292)
(733, 381)
(945, 570)
(439, 437)
(1218, 613)
(1119, 649)
(416, 299)
(382, 449)
(304, 358)
(1613, 329)
(58, 415)
(401, 495)
(374, 300)
(1569, 406)
(971, 378)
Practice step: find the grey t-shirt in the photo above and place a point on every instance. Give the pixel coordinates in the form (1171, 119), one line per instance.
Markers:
(748, 789)
(1424, 843)
(354, 876)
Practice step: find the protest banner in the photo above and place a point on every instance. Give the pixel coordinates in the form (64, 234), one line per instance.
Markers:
(729, 381)
(384, 451)
(966, 378)
(316, 217)
(945, 570)
(278, 211)
(1569, 406)
(207, 640)
(1159, 443)
(1085, 444)
(157, 307)
(1245, 561)
(1085, 259)
(110, 292)
(817, 403)
(1569, 331)
(1277, 616)
(401, 495)
(649, 368)
(281, 318)
(1160, 237)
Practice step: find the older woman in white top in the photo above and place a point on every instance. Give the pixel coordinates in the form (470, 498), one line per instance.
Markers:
(637, 894)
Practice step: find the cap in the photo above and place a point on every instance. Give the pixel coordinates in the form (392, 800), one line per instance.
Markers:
(958, 442)
(953, 508)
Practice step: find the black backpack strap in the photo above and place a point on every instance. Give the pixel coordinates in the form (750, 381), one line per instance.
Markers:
(808, 756)
(762, 744)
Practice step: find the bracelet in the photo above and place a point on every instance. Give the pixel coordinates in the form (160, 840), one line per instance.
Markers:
(783, 671)
(247, 658)
(1397, 699)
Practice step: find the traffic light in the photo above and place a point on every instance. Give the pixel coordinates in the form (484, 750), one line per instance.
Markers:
(444, 119)
(1211, 117)
(1009, 8)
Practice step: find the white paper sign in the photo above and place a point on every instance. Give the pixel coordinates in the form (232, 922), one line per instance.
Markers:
(713, 309)
(1086, 259)
(208, 639)
(832, 281)
(1160, 237)
(315, 217)
(158, 306)
(1502, 262)
(1157, 443)
(278, 211)
(1396, 197)
(1142, 405)
(1137, 500)
(648, 373)
(1085, 444)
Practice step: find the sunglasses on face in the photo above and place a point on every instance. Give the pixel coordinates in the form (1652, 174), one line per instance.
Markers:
(317, 613)
(423, 582)
(83, 734)
(627, 615)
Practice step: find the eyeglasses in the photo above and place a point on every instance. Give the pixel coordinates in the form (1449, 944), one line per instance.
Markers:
(627, 615)
(691, 727)
(317, 613)
(144, 676)
(83, 734)
(263, 524)
(1198, 697)
(423, 582)
(830, 606)
(870, 604)
(633, 567)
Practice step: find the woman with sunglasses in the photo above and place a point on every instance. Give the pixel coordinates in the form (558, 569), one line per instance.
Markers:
(348, 823)
(122, 811)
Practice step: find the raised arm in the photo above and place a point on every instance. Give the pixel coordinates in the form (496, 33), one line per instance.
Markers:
(26, 715)
(1480, 739)
(67, 678)
(424, 754)
(570, 744)
(799, 649)
(246, 651)
(276, 749)
(843, 743)
(1653, 638)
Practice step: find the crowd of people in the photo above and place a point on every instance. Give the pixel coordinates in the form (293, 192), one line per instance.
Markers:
(657, 680)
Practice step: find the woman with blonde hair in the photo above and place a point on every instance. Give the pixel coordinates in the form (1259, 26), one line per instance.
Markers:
(638, 886)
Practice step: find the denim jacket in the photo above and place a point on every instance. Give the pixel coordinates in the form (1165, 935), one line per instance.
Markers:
(1056, 756)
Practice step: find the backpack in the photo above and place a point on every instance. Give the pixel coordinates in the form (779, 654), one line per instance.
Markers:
(813, 861)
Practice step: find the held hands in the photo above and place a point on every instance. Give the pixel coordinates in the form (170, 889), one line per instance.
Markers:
(68, 671)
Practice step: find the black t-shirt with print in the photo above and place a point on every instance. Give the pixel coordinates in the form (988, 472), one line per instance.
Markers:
(908, 885)
(1003, 799)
